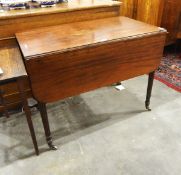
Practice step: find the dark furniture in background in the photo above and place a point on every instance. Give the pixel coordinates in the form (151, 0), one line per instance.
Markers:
(163, 13)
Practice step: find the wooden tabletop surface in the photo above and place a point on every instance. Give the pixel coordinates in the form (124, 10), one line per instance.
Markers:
(69, 36)
(71, 5)
(11, 63)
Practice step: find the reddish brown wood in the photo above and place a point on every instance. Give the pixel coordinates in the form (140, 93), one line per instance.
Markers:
(15, 21)
(65, 37)
(149, 90)
(170, 19)
(164, 13)
(14, 71)
(11, 62)
(20, 82)
(150, 11)
(67, 60)
(44, 116)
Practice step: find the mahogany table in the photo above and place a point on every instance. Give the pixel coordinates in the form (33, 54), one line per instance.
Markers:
(66, 60)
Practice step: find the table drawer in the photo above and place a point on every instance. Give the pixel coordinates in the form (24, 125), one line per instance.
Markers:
(12, 88)
(12, 96)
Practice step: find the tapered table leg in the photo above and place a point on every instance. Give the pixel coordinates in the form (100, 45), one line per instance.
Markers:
(27, 111)
(44, 116)
(149, 90)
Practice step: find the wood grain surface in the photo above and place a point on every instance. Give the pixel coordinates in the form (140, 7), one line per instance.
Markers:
(71, 5)
(163, 13)
(12, 64)
(89, 55)
(68, 36)
(171, 18)
(150, 11)
(14, 21)
(129, 8)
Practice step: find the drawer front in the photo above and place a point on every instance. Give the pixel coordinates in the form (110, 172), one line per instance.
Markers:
(12, 88)
(12, 96)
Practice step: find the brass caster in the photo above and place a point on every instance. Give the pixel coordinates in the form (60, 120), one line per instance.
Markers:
(147, 106)
(52, 146)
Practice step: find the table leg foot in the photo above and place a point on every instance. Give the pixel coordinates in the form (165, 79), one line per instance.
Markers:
(149, 90)
(44, 116)
(147, 106)
(51, 145)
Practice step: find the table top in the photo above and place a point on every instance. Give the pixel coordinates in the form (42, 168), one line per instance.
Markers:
(11, 63)
(80, 34)
(71, 5)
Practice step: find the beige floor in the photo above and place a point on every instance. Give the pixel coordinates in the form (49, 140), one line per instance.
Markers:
(103, 132)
